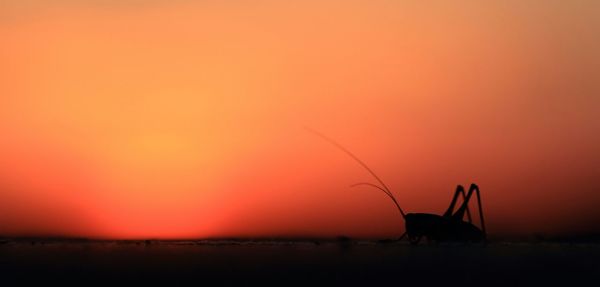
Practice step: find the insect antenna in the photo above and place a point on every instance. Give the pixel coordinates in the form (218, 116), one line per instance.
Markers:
(383, 187)
(373, 185)
(388, 193)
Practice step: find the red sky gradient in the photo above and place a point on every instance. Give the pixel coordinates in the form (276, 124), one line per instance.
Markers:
(170, 119)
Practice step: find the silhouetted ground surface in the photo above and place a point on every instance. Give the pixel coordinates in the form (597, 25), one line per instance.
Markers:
(283, 262)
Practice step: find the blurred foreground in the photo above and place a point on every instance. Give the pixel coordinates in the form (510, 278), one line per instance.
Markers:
(296, 262)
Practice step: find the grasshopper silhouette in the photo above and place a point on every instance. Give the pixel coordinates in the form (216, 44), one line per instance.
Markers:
(449, 227)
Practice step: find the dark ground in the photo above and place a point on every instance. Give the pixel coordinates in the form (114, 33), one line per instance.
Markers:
(284, 262)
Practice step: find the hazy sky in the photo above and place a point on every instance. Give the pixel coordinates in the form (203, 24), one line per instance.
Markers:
(186, 118)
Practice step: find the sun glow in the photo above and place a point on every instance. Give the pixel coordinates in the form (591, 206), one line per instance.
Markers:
(178, 119)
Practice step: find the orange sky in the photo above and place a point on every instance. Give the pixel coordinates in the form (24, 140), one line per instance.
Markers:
(129, 119)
